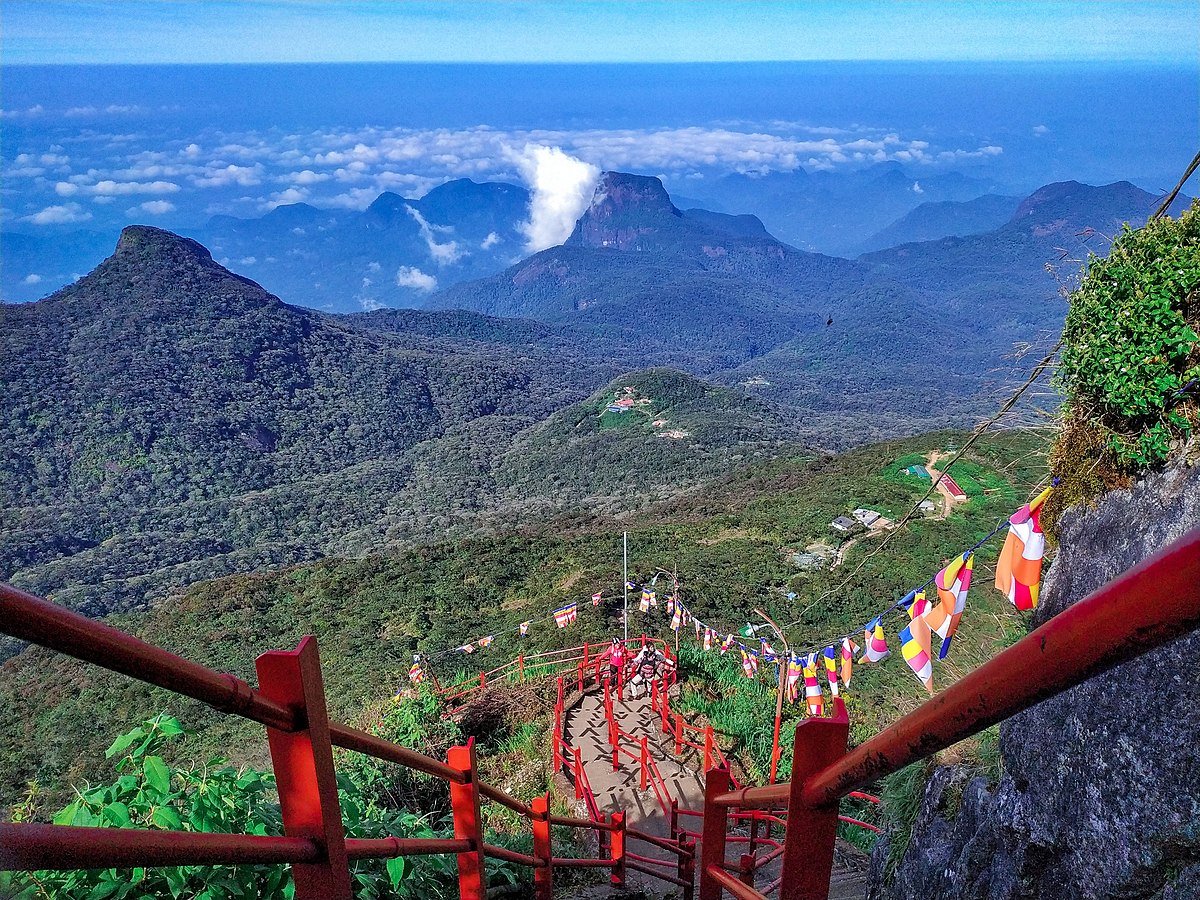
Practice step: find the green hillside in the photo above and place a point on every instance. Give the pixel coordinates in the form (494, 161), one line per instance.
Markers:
(731, 539)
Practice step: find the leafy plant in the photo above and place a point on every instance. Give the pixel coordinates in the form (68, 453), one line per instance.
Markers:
(218, 798)
(1130, 345)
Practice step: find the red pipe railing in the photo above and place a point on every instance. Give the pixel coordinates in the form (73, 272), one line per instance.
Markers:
(1155, 602)
(290, 702)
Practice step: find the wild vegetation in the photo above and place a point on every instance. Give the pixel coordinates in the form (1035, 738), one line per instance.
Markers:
(1131, 358)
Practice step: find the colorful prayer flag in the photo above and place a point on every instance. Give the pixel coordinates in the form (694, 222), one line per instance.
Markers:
(485, 641)
(812, 688)
(726, 644)
(631, 585)
(792, 684)
(644, 605)
(876, 644)
(749, 664)
(670, 604)
(849, 648)
(914, 642)
(952, 584)
(524, 629)
(677, 618)
(596, 598)
(566, 614)
(708, 639)
(831, 670)
(1019, 569)
(467, 648)
(415, 675)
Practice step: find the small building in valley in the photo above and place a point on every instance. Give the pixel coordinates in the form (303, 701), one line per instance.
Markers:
(867, 517)
(844, 524)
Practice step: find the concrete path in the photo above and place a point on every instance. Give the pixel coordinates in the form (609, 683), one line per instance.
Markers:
(584, 726)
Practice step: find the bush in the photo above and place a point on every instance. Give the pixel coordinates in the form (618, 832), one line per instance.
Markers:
(1130, 350)
(218, 798)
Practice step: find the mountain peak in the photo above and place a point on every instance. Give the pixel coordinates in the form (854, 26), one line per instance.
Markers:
(154, 269)
(146, 240)
(625, 209)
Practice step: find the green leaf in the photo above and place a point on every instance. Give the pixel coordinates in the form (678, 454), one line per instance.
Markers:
(66, 815)
(395, 870)
(158, 776)
(118, 814)
(166, 817)
(124, 741)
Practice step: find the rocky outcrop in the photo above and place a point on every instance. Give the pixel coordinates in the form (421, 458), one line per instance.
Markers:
(1100, 795)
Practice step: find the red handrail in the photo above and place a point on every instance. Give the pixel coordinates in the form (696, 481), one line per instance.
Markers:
(291, 704)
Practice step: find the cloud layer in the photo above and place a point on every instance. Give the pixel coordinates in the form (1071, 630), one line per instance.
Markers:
(77, 176)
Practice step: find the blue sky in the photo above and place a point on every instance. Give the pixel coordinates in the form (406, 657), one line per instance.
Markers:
(182, 31)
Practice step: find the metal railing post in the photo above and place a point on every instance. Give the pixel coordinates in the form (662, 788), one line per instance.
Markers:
(746, 869)
(578, 754)
(666, 709)
(708, 747)
(645, 761)
(521, 667)
(679, 735)
(687, 867)
(543, 876)
(616, 847)
(468, 823)
(716, 782)
(303, 764)
(810, 832)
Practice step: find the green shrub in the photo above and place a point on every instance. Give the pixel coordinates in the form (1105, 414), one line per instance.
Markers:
(1130, 344)
(218, 798)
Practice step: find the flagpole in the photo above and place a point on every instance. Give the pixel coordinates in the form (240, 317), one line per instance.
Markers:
(625, 617)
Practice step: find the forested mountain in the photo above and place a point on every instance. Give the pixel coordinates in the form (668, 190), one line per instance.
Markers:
(394, 253)
(945, 218)
(701, 291)
(166, 420)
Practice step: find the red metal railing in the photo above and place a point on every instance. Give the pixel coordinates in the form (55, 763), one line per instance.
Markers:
(1153, 603)
(290, 703)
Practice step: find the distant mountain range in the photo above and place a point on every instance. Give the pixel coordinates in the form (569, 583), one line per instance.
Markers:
(400, 251)
(166, 421)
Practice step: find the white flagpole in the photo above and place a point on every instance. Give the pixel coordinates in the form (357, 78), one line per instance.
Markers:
(625, 542)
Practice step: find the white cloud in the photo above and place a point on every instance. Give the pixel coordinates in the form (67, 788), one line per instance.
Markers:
(60, 215)
(412, 277)
(356, 198)
(490, 241)
(308, 176)
(152, 207)
(115, 188)
(561, 187)
(247, 261)
(283, 198)
(917, 189)
(66, 189)
(217, 175)
(442, 254)
(32, 279)
(1039, 130)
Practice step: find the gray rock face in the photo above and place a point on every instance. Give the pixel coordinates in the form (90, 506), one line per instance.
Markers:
(1100, 795)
